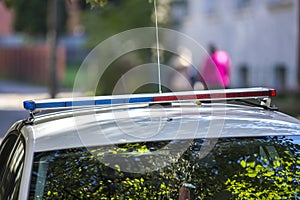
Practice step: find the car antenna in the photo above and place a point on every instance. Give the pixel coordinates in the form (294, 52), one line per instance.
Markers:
(157, 47)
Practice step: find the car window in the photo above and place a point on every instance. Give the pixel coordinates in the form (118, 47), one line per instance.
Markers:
(12, 154)
(233, 168)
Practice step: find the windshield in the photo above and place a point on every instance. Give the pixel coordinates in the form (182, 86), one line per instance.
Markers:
(232, 168)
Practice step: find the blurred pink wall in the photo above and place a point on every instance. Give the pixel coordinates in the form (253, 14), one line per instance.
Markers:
(6, 20)
(30, 63)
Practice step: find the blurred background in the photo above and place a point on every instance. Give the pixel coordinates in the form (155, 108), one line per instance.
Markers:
(44, 42)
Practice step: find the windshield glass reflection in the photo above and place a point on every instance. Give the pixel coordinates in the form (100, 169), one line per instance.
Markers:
(234, 168)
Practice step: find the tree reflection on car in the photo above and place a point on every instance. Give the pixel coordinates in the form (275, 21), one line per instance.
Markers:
(255, 167)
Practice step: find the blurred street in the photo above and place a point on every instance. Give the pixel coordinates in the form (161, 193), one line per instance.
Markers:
(12, 95)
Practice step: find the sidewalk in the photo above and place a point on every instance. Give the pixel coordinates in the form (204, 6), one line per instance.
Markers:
(15, 87)
(12, 94)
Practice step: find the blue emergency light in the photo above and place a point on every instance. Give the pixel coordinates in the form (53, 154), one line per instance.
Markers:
(221, 94)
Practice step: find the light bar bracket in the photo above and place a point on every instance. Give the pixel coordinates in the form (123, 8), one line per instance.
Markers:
(210, 95)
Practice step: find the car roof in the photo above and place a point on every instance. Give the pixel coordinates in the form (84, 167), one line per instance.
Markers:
(100, 125)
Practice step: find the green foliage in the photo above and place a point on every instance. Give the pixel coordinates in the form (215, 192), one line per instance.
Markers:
(265, 178)
(101, 3)
(279, 178)
(96, 2)
(69, 77)
(115, 17)
(103, 22)
(31, 16)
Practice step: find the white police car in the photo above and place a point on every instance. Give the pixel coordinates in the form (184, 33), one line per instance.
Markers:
(186, 145)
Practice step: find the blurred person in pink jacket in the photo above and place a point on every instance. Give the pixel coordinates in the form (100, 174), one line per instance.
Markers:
(216, 70)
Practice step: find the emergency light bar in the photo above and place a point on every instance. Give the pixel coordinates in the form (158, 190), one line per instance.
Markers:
(211, 95)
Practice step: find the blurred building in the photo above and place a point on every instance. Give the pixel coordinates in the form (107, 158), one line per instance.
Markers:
(6, 18)
(260, 36)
